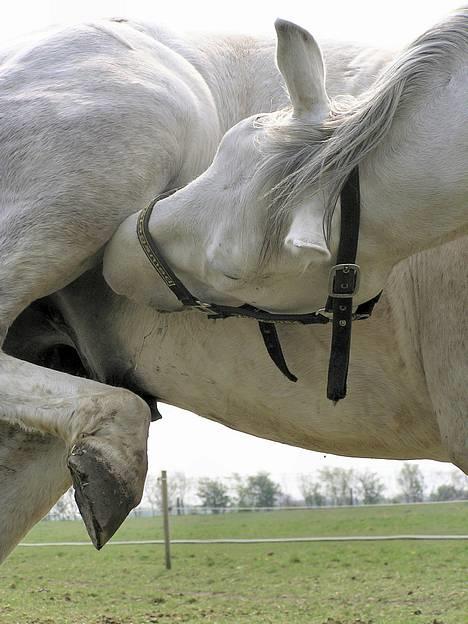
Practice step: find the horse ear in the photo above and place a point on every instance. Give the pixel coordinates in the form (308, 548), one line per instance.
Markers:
(300, 62)
(306, 234)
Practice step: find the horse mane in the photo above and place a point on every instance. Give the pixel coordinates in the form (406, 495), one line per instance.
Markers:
(302, 157)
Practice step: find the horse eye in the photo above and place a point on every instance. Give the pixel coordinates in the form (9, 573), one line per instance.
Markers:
(231, 277)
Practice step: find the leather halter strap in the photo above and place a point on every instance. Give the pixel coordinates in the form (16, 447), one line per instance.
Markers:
(154, 256)
(213, 310)
(344, 282)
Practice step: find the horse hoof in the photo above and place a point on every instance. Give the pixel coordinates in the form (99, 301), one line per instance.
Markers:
(103, 498)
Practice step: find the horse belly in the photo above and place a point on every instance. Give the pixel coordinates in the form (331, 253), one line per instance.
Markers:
(221, 370)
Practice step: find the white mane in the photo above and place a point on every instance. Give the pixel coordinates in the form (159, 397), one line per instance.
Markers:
(305, 157)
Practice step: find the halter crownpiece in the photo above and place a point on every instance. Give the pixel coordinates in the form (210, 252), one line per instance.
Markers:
(343, 285)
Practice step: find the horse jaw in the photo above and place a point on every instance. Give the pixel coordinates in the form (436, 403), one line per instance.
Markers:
(128, 272)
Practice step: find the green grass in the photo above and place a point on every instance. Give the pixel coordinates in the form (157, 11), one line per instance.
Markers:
(386, 520)
(317, 583)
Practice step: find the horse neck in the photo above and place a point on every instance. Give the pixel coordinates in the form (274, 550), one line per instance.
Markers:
(241, 74)
(414, 186)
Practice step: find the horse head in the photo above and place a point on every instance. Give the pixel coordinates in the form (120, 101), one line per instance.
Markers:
(226, 234)
(261, 226)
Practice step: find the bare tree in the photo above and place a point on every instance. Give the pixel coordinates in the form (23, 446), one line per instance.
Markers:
(65, 508)
(337, 484)
(458, 479)
(370, 487)
(153, 493)
(178, 487)
(311, 490)
(411, 482)
(182, 486)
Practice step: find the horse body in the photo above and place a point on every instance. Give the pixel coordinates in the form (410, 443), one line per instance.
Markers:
(96, 120)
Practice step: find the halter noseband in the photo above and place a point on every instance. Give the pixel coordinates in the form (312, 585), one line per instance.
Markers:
(343, 285)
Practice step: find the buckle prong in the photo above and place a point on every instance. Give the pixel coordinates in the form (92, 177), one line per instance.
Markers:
(203, 306)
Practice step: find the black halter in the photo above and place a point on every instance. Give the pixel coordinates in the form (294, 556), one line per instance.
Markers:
(343, 285)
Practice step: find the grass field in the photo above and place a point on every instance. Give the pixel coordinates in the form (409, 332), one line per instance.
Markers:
(317, 583)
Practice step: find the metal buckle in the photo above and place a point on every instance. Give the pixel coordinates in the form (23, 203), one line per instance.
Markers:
(203, 306)
(350, 277)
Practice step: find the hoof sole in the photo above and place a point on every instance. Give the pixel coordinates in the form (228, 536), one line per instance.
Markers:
(102, 498)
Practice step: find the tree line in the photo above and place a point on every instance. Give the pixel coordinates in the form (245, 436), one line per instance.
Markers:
(328, 486)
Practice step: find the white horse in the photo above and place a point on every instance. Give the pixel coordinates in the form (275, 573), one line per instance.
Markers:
(96, 120)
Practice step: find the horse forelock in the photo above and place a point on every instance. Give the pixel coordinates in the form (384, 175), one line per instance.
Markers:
(303, 158)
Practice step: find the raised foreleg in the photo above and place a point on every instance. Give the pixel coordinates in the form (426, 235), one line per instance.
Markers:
(104, 430)
(70, 173)
(42, 248)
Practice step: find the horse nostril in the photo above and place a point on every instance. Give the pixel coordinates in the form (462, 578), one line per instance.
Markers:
(231, 277)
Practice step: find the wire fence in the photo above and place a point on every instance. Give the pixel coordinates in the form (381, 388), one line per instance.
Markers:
(202, 510)
(263, 540)
(194, 510)
(199, 510)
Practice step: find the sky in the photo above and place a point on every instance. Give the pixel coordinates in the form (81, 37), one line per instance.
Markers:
(378, 22)
(183, 441)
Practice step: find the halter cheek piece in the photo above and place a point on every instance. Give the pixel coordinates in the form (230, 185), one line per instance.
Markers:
(343, 285)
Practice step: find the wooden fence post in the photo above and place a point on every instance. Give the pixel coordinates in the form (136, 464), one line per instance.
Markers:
(165, 510)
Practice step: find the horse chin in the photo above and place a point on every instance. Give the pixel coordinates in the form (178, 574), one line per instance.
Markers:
(164, 305)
